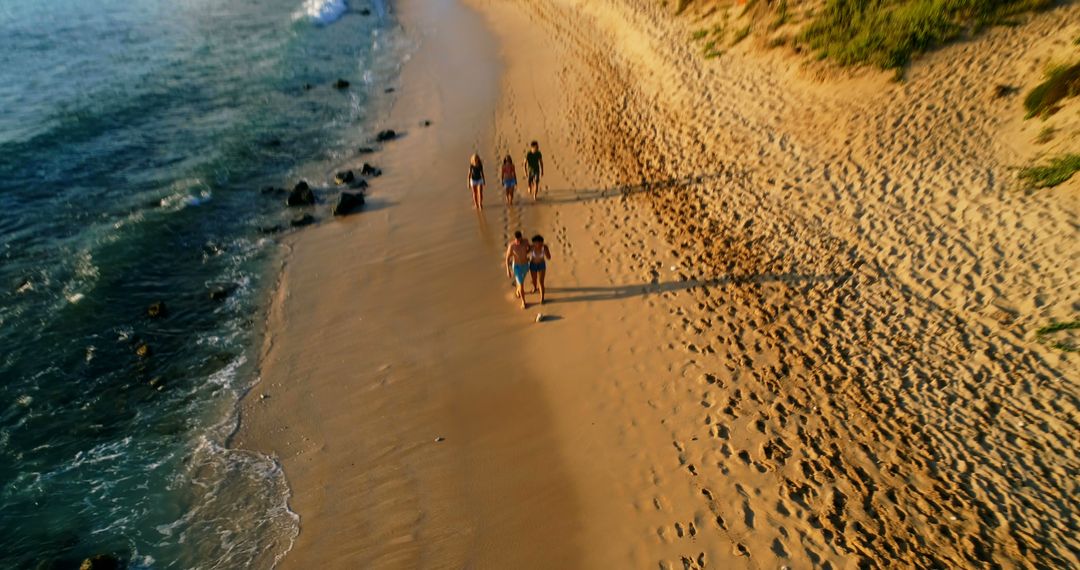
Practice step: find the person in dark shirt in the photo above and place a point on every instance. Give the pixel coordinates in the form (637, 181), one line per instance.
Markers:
(476, 181)
(534, 167)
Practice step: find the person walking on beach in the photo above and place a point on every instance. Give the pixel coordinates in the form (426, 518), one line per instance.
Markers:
(509, 179)
(517, 264)
(538, 256)
(534, 167)
(476, 181)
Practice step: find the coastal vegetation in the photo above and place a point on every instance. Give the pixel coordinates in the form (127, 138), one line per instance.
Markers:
(1045, 135)
(1044, 333)
(889, 33)
(1058, 170)
(1062, 81)
(886, 34)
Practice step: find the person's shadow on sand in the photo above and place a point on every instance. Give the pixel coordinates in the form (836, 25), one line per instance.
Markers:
(615, 292)
(554, 197)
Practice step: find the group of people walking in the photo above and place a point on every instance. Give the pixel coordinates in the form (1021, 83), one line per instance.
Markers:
(534, 170)
(524, 258)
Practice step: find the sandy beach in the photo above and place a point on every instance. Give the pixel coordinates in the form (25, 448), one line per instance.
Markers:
(791, 320)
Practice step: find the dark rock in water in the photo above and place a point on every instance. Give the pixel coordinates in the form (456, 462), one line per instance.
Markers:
(364, 12)
(101, 562)
(269, 230)
(425, 123)
(344, 177)
(369, 170)
(387, 135)
(305, 220)
(358, 184)
(348, 202)
(143, 351)
(270, 190)
(389, 90)
(221, 291)
(301, 195)
(365, 150)
(341, 84)
(273, 143)
(157, 310)
(308, 87)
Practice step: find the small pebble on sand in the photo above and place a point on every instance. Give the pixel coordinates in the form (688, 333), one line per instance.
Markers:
(440, 439)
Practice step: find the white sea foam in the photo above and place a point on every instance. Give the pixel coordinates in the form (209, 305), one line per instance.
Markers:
(321, 12)
(181, 200)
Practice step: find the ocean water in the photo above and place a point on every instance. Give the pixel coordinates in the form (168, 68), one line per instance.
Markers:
(135, 139)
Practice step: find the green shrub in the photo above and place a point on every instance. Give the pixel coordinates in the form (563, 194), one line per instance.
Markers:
(888, 33)
(1061, 81)
(1057, 171)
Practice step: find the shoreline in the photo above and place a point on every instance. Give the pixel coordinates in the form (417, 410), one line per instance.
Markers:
(417, 485)
(751, 357)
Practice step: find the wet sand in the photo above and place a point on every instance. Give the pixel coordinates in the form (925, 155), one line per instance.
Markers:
(791, 323)
(393, 328)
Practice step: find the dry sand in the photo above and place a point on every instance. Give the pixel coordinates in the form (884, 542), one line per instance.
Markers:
(791, 322)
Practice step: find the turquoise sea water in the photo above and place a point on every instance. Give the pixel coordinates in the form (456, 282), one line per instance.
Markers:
(135, 137)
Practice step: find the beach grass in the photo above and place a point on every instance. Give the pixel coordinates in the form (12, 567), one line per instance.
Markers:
(889, 33)
(782, 16)
(779, 41)
(1045, 135)
(1062, 81)
(712, 49)
(884, 33)
(1056, 327)
(1058, 170)
(741, 34)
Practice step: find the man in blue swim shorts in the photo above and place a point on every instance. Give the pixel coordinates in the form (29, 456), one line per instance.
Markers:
(517, 264)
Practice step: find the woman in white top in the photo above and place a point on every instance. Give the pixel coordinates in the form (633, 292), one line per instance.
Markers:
(538, 256)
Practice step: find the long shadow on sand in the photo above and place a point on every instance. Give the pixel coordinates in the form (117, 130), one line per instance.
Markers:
(615, 292)
(569, 196)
